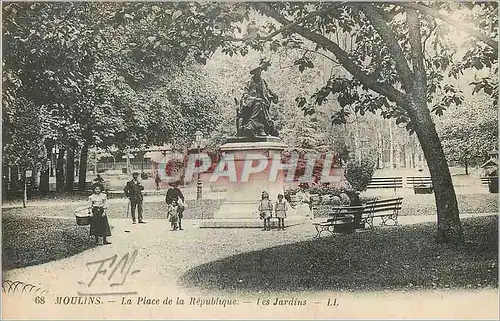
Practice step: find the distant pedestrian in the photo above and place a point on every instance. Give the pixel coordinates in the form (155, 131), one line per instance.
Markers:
(266, 210)
(173, 215)
(98, 181)
(157, 181)
(281, 208)
(175, 194)
(99, 225)
(133, 191)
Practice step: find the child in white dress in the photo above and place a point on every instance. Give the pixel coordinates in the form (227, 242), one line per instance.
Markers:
(173, 215)
(266, 210)
(281, 208)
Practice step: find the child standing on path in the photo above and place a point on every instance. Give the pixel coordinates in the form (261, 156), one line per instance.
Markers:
(173, 215)
(281, 208)
(266, 210)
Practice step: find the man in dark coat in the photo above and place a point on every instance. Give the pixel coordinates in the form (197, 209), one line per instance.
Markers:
(175, 194)
(133, 191)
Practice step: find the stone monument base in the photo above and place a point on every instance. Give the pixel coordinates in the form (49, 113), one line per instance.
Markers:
(240, 209)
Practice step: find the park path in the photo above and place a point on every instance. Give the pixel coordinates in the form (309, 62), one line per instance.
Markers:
(162, 257)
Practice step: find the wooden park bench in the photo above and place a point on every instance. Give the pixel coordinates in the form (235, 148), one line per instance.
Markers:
(486, 180)
(344, 218)
(386, 209)
(341, 220)
(420, 184)
(386, 182)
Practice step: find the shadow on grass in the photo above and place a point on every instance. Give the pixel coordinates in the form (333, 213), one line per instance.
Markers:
(379, 259)
(30, 241)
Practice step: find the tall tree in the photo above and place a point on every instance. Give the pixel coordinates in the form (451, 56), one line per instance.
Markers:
(383, 49)
(23, 145)
(91, 72)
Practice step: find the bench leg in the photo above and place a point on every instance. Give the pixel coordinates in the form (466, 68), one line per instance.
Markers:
(369, 220)
(320, 229)
(392, 217)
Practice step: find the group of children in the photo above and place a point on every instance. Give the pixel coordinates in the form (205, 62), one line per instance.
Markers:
(266, 211)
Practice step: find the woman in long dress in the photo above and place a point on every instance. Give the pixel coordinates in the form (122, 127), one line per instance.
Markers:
(99, 225)
(303, 203)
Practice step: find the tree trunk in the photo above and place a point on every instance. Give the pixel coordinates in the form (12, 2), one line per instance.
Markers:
(60, 171)
(25, 189)
(449, 226)
(466, 167)
(82, 170)
(45, 170)
(44, 179)
(391, 148)
(34, 175)
(398, 156)
(379, 150)
(5, 180)
(14, 180)
(70, 169)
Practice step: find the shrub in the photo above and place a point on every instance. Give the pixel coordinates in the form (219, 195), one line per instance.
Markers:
(359, 173)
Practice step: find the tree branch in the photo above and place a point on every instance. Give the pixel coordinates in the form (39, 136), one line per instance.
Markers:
(473, 32)
(307, 17)
(318, 53)
(386, 90)
(378, 22)
(417, 54)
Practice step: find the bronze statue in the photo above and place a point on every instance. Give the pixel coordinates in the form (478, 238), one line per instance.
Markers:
(254, 108)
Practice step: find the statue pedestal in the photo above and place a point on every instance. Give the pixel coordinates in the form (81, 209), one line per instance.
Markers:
(240, 208)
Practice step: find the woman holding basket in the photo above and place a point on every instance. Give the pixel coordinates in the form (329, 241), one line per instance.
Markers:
(99, 225)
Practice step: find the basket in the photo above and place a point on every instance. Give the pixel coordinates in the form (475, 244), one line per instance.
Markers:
(82, 217)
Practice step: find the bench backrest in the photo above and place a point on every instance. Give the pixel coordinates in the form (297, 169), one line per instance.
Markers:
(390, 204)
(387, 200)
(486, 180)
(417, 180)
(386, 182)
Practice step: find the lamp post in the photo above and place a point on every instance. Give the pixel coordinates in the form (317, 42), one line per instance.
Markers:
(198, 136)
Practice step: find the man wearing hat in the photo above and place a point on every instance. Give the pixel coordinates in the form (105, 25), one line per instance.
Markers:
(133, 191)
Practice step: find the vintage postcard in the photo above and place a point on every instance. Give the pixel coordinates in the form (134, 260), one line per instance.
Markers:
(249, 160)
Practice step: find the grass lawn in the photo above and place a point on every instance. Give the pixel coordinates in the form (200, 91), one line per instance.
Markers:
(404, 257)
(30, 240)
(425, 204)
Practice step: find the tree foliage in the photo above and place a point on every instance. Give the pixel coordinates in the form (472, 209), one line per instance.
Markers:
(469, 132)
(90, 71)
